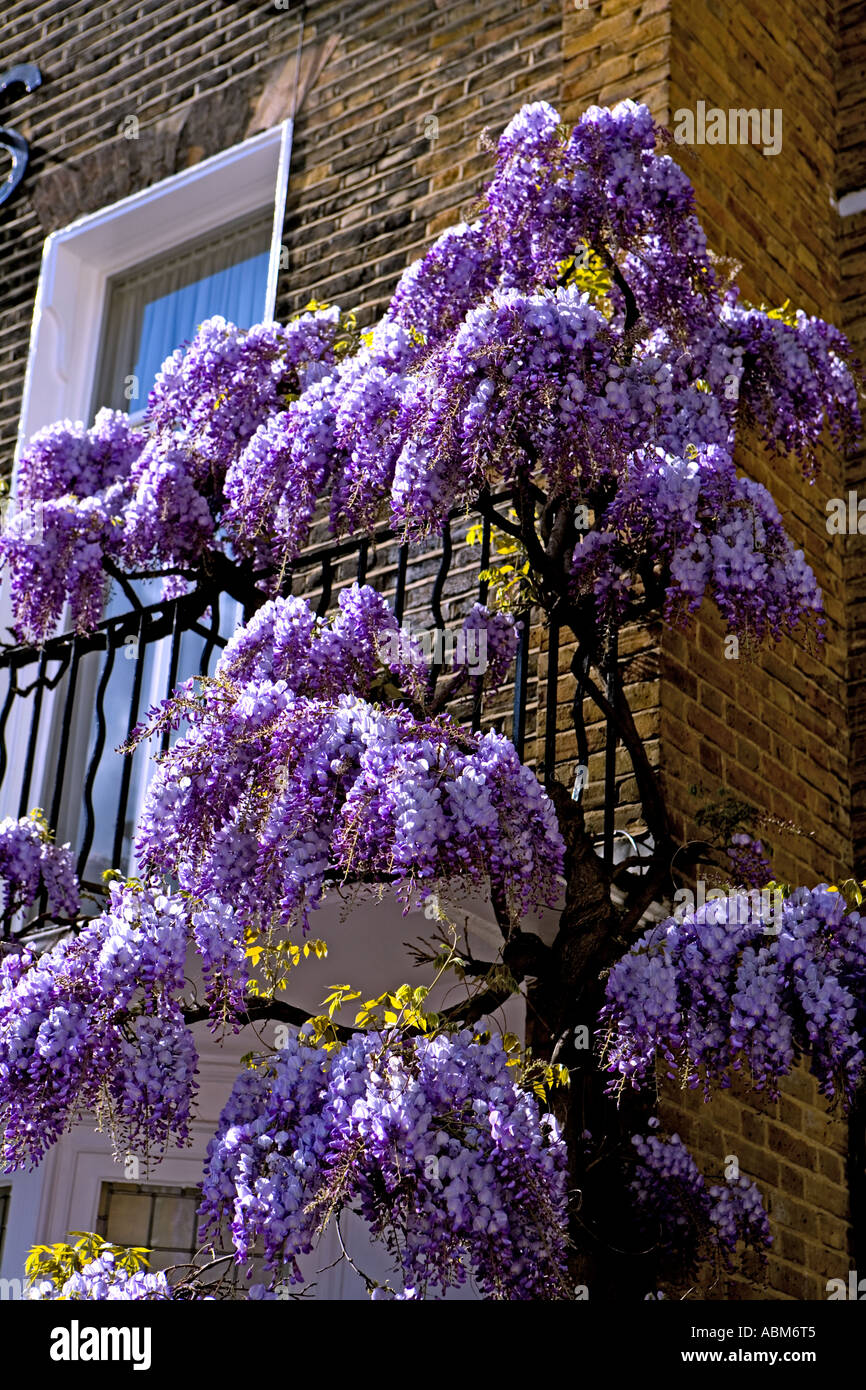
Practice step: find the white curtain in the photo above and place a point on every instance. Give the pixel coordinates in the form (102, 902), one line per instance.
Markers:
(151, 309)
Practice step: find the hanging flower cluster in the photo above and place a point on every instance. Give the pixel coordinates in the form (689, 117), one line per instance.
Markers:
(749, 863)
(684, 1212)
(737, 984)
(31, 863)
(497, 361)
(95, 1023)
(149, 497)
(447, 1161)
(289, 776)
(713, 532)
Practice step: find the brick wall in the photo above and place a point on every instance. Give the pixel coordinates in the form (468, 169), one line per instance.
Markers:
(851, 177)
(386, 154)
(188, 72)
(796, 1152)
(773, 728)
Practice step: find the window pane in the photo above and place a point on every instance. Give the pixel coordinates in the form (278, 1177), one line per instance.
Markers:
(173, 1222)
(136, 1214)
(128, 1218)
(153, 308)
(164, 1220)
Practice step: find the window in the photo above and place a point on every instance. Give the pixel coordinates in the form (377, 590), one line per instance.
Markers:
(155, 306)
(83, 264)
(118, 291)
(150, 310)
(163, 1219)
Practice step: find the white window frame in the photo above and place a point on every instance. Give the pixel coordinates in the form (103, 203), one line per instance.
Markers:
(77, 263)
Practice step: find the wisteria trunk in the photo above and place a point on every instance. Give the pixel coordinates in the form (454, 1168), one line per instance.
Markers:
(608, 1259)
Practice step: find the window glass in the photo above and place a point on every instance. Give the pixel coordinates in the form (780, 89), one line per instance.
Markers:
(149, 311)
(164, 1220)
(156, 306)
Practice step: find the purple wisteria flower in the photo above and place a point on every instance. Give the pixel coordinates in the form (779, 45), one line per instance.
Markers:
(734, 986)
(31, 863)
(684, 1212)
(289, 777)
(492, 365)
(447, 1161)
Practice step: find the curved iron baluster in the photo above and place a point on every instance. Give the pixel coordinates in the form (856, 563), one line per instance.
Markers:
(35, 717)
(7, 709)
(483, 591)
(436, 600)
(126, 774)
(172, 666)
(439, 585)
(98, 746)
(28, 76)
(212, 639)
(65, 730)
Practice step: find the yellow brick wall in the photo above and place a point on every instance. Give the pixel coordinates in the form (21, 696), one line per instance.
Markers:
(386, 154)
(772, 729)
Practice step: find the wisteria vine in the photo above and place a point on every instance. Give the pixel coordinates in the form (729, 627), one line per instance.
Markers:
(447, 1160)
(736, 986)
(572, 344)
(295, 772)
(501, 360)
(96, 1024)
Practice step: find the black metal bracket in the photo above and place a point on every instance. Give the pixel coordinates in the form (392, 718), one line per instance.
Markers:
(28, 76)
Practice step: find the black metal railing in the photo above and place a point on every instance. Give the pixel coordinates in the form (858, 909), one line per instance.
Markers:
(77, 696)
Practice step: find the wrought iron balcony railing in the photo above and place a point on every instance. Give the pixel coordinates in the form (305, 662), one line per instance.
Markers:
(66, 706)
